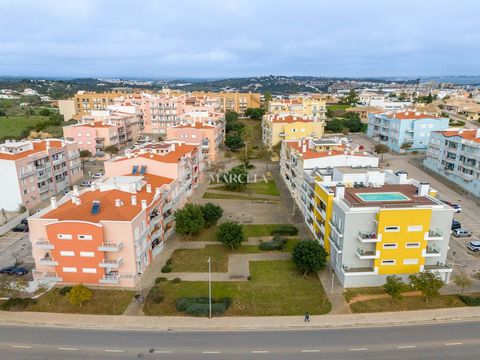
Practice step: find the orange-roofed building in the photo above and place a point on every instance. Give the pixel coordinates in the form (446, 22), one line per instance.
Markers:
(33, 171)
(106, 235)
(276, 128)
(455, 155)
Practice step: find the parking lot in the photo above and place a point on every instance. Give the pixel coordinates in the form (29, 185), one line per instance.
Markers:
(15, 247)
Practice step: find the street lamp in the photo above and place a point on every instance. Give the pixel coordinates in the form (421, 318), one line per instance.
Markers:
(453, 258)
(209, 288)
(333, 280)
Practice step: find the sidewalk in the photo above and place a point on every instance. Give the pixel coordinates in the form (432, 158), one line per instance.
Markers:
(167, 323)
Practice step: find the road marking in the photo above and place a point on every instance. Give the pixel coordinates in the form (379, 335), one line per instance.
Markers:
(260, 351)
(21, 346)
(210, 352)
(67, 349)
(358, 349)
(310, 351)
(114, 350)
(452, 344)
(406, 347)
(162, 352)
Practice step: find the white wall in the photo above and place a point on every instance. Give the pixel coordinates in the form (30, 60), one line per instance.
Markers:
(9, 186)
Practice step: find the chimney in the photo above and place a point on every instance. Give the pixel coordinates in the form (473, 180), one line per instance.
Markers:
(134, 200)
(340, 191)
(423, 188)
(157, 191)
(402, 177)
(78, 201)
(304, 147)
(118, 203)
(53, 202)
(477, 133)
(173, 146)
(75, 190)
(92, 187)
(73, 198)
(299, 142)
(144, 204)
(329, 152)
(149, 188)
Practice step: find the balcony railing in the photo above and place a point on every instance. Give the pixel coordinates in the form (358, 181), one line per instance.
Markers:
(111, 246)
(358, 270)
(110, 279)
(432, 251)
(46, 276)
(48, 261)
(434, 235)
(44, 245)
(107, 263)
(368, 237)
(365, 254)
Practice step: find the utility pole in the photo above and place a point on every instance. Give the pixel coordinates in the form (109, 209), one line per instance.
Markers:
(209, 289)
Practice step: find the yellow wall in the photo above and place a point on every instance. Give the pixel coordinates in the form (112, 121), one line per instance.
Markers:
(322, 195)
(287, 128)
(238, 102)
(402, 218)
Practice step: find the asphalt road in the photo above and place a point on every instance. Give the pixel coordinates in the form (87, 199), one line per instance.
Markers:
(457, 340)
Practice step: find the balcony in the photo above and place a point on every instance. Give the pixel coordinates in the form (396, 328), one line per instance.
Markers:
(59, 160)
(44, 189)
(167, 206)
(434, 235)
(110, 279)
(44, 245)
(438, 267)
(46, 276)
(111, 246)
(47, 260)
(156, 233)
(365, 254)
(359, 270)
(27, 173)
(334, 226)
(432, 251)
(368, 237)
(337, 244)
(106, 263)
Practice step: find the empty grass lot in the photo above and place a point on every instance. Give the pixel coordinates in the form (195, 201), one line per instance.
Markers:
(250, 230)
(408, 303)
(218, 196)
(103, 302)
(11, 127)
(259, 188)
(275, 288)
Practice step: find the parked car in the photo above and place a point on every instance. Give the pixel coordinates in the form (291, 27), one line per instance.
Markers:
(24, 221)
(86, 183)
(20, 228)
(461, 233)
(456, 224)
(474, 246)
(456, 207)
(97, 175)
(14, 270)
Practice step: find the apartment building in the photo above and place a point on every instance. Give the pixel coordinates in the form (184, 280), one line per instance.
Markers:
(455, 155)
(33, 171)
(233, 101)
(406, 130)
(304, 107)
(67, 109)
(299, 158)
(107, 235)
(386, 229)
(381, 100)
(85, 101)
(276, 128)
(209, 136)
(365, 111)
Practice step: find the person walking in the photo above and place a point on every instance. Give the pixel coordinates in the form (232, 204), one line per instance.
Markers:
(307, 317)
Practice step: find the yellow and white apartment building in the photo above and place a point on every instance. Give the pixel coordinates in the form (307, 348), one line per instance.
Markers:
(376, 223)
(305, 107)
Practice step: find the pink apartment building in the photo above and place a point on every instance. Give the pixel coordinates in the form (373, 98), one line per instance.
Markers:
(33, 171)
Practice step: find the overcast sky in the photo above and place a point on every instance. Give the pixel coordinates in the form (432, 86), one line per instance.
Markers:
(231, 38)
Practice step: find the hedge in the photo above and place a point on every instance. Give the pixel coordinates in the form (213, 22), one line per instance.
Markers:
(470, 300)
(65, 290)
(199, 306)
(17, 304)
(276, 244)
(288, 230)
(166, 269)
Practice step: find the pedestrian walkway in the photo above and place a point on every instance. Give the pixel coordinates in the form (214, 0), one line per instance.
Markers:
(335, 293)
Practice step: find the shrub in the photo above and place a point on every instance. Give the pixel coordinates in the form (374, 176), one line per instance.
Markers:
(288, 230)
(65, 290)
(160, 279)
(309, 256)
(169, 261)
(199, 306)
(155, 295)
(230, 234)
(166, 269)
(270, 246)
(470, 300)
(176, 280)
(17, 304)
(211, 213)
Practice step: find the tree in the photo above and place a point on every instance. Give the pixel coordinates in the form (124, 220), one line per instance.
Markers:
(211, 213)
(236, 178)
(394, 286)
(309, 256)
(230, 234)
(381, 149)
(427, 283)
(21, 208)
(255, 113)
(265, 154)
(334, 126)
(189, 219)
(234, 141)
(79, 294)
(405, 146)
(45, 112)
(84, 155)
(112, 150)
(245, 156)
(351, 98)
(277, 148)
(231, 116)
(462, 280)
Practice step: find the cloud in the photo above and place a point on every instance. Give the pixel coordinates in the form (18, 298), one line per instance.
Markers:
(207, 38)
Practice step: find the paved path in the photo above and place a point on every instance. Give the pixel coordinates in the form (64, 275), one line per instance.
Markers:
(335, 294)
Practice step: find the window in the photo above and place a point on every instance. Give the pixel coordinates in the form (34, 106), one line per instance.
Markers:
(87, 254)
(412, 245)
(410, 261)
(70, 269)
(413, 228)
(67, 253)
(89, 270)
(84, 237)
(64, 236)
(390, 245)
(389, 262)
(392, 228)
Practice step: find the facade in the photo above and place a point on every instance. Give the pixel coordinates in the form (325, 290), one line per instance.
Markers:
(303, 107)
(455, 155)
(276, 128)
(381, 101)
(233, 101)
(365, 111)
(106, 235)
(209, 136)
(67, 109)
(404, 130)
(33, 171)
(467, 108)
(85, 101)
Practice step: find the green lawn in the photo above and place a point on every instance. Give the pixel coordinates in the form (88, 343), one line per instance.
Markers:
(337, 107)
(259, 188)
(210, 195)
(275, 288)
(195, 260)
(250, 230)
(11, 127)
(408, 303)
(103, 302)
